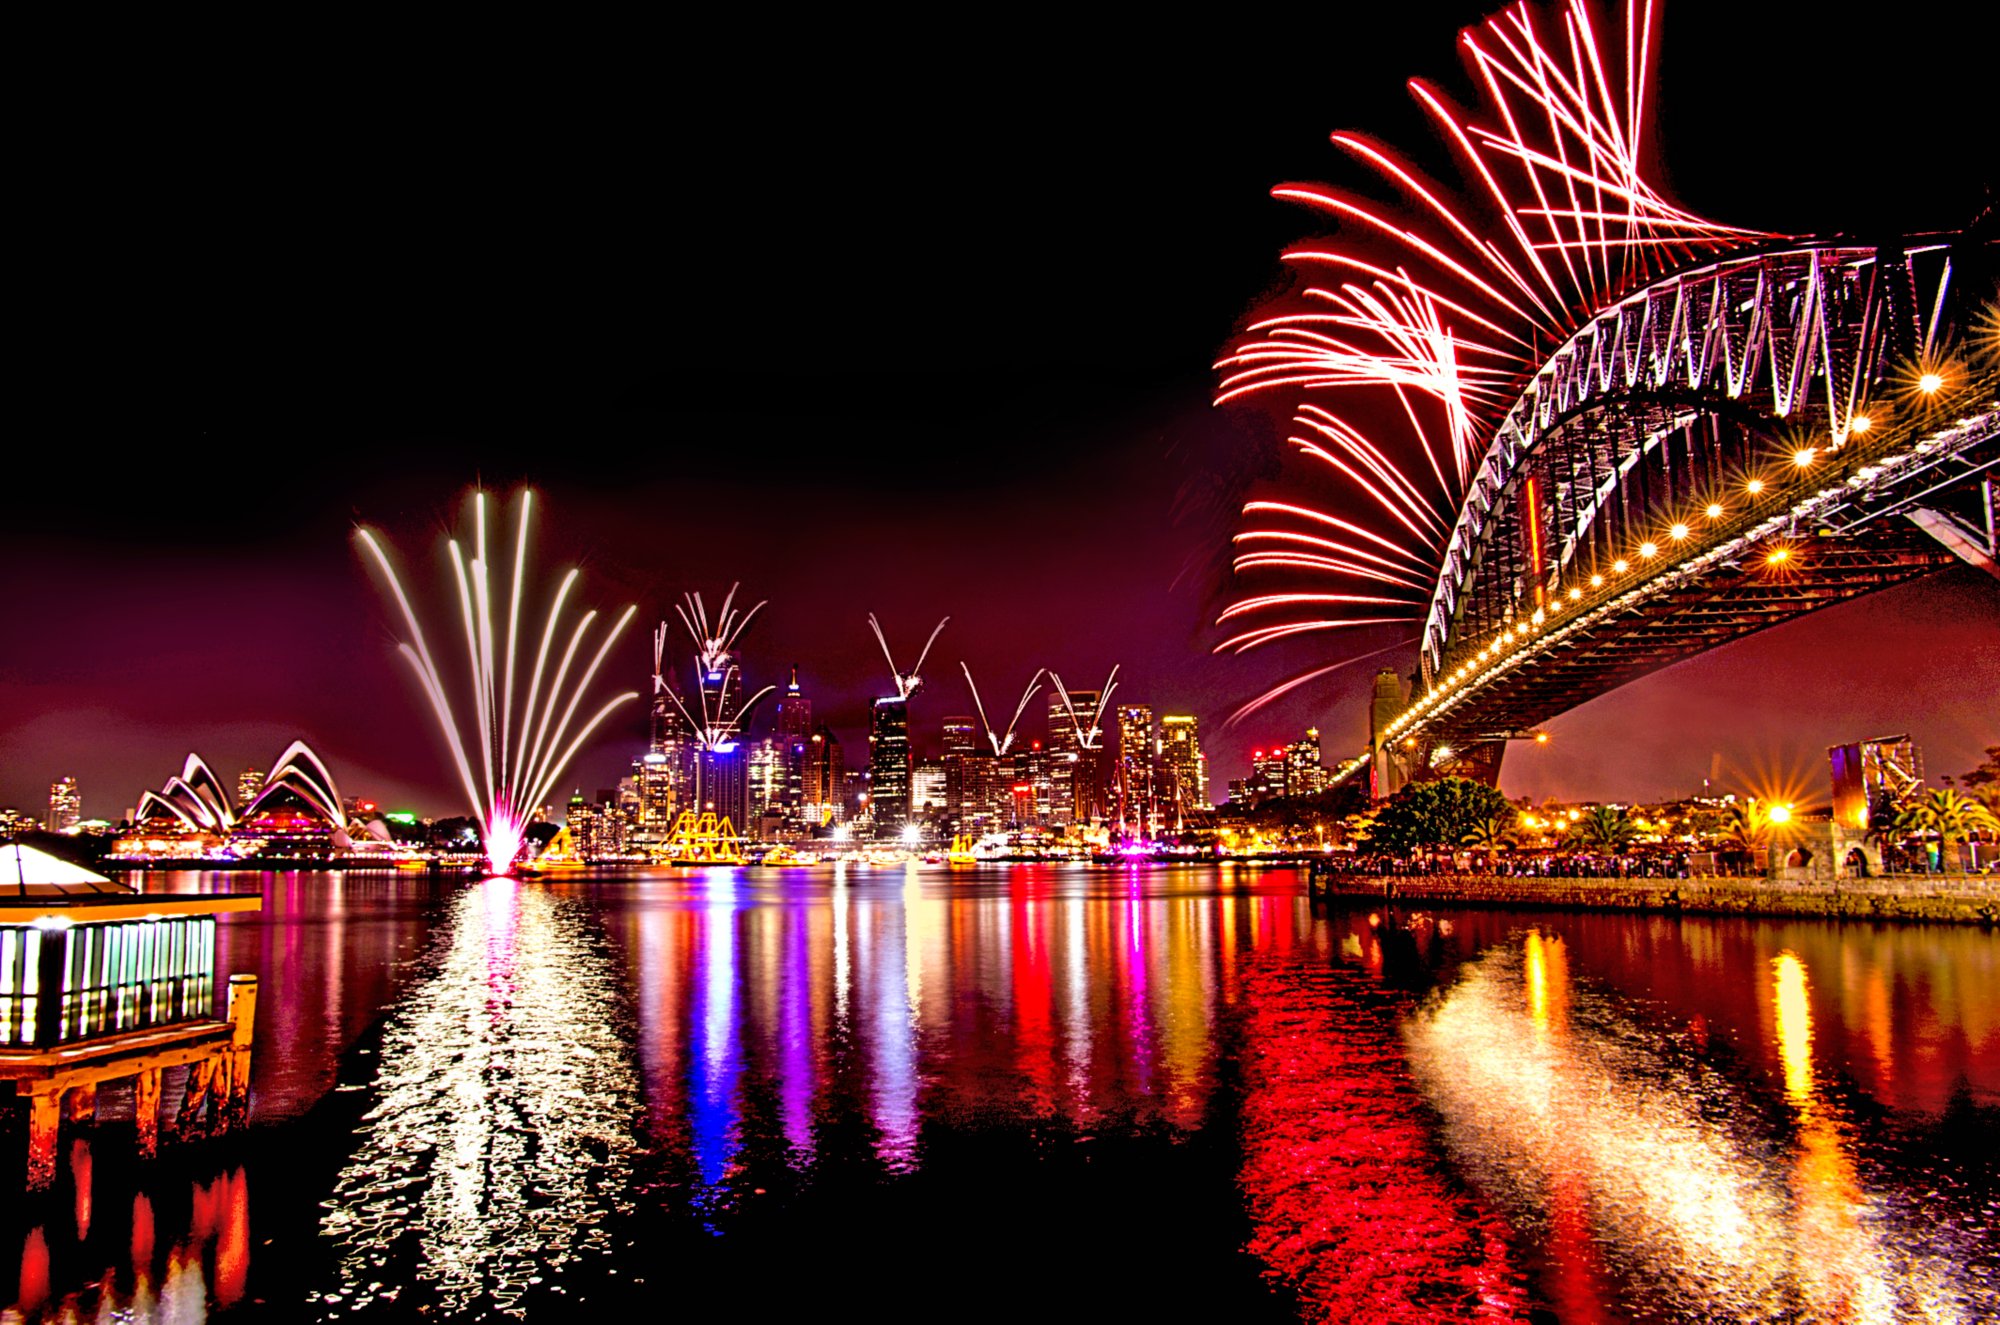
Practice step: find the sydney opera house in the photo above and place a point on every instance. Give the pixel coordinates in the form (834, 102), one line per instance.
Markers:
(298, 814)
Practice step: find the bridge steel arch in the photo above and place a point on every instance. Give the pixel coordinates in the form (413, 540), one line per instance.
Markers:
(1611, 528)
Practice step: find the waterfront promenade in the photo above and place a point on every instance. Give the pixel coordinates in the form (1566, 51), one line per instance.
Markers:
(1936, 898)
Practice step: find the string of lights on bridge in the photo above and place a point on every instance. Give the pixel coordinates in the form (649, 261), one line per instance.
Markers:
(1781, 556)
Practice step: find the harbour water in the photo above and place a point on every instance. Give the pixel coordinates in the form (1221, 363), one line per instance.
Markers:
(1057, 1089)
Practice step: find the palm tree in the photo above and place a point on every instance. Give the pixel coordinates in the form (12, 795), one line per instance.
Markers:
(1491, 833)
(1605, 827)
(1952, 815)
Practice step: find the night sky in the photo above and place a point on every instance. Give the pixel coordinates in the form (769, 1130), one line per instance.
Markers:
(870, 319)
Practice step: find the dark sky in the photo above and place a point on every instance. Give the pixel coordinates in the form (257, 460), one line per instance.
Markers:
(869, 318)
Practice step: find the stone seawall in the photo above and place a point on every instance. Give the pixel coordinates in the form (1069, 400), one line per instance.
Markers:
(1940, 899)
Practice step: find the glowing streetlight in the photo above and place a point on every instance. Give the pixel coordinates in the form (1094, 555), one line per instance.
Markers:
(1649, 549)
(1805, 455)
(1860, 423)
(1715, 510)
(1621, 565)
(1678, 532)
(1754, 486)
(1597, 581)
(1779, 814)
(1930, 384)
(1541, 738)
(1778, 556)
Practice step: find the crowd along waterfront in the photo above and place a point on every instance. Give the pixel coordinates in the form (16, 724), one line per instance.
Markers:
(1055, 1089)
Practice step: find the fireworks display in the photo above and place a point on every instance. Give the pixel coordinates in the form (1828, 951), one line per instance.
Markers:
(521, 750)
(906, 682)
(1432, 317)
(1091, 737)
(1001, 742)
(717, 678)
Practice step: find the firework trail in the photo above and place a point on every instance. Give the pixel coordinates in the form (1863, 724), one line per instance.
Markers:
(521, 750)
(906, 682)
(1433, 322)
(713, 644)
(1002, 743)
(1093, 737)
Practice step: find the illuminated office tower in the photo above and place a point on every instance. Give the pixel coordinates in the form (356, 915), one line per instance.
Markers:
(823, 776)
(961, 743)
(1138, 751)
(248, 783)
(1183, 766)
(766, 768)
(927, 790)
(794, 736)
(65, 805)
(1306, 773)
(889, 765)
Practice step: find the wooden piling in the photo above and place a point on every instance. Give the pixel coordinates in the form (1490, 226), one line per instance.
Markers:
(146, 1111)
(243, 1024)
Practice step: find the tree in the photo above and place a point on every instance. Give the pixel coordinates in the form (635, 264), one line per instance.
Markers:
(1952, 815)
(1492, 833)
(1984, 782)
(1605, 828)
(1435, 814)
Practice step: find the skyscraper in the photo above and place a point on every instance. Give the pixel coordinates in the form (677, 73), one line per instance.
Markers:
(794, 738)
(248, 783)
(65, 805)
(889, 765)
(823, 777)
(1079, 767)
(1138, 750)
(1183, 767)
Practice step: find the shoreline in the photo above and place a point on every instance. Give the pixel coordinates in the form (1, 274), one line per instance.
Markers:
(1943, 899)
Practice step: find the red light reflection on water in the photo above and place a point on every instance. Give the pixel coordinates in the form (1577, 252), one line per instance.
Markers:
(1349, 1202)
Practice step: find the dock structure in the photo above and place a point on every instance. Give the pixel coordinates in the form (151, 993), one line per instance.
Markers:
(101, 983)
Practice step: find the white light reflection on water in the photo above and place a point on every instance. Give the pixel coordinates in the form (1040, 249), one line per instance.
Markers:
(1551, 1097)
(501, 1137)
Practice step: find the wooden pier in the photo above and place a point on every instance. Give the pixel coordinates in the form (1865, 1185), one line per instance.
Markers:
(100, 984)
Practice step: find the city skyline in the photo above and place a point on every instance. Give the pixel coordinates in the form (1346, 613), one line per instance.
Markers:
(1084, 507)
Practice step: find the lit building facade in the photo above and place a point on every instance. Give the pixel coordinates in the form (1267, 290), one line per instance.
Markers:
(823, 776)
(889, 766)
(1183, 768)
(248, 784)
(65, 805)
(1138, 754)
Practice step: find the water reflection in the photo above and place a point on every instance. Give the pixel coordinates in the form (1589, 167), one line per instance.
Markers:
(125, 1271)
(1598, 1134)
(500, 1141)
(1641, 1117)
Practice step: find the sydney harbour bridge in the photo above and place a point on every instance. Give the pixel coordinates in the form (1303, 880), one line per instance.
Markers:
(1657, 491)
(1572, 433)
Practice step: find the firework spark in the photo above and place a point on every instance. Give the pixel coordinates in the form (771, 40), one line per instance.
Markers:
(1432, 321)
(521, 750)
(906, 682)
(1002, 743)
